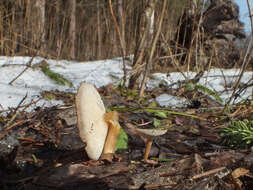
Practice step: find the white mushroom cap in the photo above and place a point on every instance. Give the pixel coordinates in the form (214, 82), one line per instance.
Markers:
(152, 132)
(90, 115)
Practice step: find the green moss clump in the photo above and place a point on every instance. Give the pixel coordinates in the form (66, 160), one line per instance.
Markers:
(59, 79)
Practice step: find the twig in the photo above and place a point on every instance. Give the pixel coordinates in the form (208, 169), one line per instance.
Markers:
(11, 120)
(10, 127)
(21, 102)
(251, 24)
(251, 16)
(16, 113)
(27, 66)
(24, 106)
(177, 172)
(210, 172)
(170, 56)
(123, 50)
(198, 34)
(153, 110)
(174, 61)
(245, 59)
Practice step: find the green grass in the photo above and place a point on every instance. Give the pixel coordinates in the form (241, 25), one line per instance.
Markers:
(238, 134)
(204, 89)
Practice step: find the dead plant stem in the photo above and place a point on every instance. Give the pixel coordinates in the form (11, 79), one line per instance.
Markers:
(251, 24)
(123, 50)
(29, 64)
(245, 60)
(207, 173)
(175, 61)
(250, 15)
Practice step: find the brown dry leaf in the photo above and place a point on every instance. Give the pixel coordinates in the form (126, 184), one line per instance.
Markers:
(199, 162)
(179, 121)
(181, 91)
(239, 172)
(235, 177)
(225, 159)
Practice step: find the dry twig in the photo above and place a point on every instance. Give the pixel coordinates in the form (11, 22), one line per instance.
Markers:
(246, 60)
(123, 50)
(207, 173)
(29, 64)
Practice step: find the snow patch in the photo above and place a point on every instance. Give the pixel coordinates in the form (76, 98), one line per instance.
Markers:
(100, 73)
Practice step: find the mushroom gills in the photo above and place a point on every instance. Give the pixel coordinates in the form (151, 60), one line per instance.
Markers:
(90, 115)
(147, 135)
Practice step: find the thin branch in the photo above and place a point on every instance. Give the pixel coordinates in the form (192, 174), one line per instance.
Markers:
(251, 23)
(245, 60)
(209, 172)
(123, 51)
(27, 66)
(15, 113)
(250, 15)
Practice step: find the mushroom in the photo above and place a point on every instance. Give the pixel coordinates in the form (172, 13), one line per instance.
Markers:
(93, 122)
(148, 136)
(112, 119)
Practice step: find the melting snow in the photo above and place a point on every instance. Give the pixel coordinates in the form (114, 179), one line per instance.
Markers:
(99, 73)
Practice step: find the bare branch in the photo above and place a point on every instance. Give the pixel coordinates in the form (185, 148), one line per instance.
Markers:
(245, 60)
(123, 50)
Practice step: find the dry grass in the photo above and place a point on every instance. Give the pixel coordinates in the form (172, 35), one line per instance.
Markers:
(23, 33)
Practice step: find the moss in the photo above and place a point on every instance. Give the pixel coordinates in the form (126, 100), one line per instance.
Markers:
(67, 98)
(59, 79)
(48, 95)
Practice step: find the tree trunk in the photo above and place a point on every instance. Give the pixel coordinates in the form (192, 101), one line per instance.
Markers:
(99, 33)
(152, 47)
(122, 24)
(40, 6)
(59, 35)
(72, 28)
(144, 43)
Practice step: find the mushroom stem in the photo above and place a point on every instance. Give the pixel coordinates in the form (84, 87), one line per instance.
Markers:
(111, 119)
(147, 149)
(148, 136)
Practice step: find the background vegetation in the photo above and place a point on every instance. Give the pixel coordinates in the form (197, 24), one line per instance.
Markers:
(75, 29)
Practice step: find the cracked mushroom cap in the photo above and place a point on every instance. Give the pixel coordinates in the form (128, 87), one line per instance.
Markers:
(90, 115)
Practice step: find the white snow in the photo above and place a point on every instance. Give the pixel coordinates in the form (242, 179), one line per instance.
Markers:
(99, 73)
(166, 100)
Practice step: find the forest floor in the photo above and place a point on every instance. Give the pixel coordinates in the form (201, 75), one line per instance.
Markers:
(191, 155)
(40, 147)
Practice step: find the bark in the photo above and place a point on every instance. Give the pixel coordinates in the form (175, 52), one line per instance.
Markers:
(152, 47)
(39, 34)
(58, 29)
(122, 24)
(72, 28)
(144, 43)
(99, 33)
